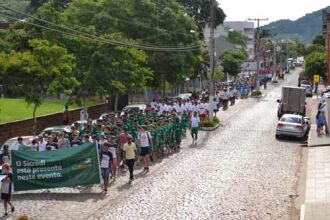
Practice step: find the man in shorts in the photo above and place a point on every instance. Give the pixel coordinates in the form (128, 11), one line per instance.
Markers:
(6, 188)
(145, 143)
(105, 160)
(194, 126)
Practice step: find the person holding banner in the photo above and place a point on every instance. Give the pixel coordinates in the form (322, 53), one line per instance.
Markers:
(105, 160)
(6, 186)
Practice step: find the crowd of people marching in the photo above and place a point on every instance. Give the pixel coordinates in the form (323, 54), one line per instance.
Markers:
(150, 134)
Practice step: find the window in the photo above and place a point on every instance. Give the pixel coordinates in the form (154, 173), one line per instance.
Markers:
(291, 120)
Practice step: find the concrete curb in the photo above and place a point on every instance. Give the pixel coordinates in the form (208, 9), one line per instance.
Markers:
(315, 145)
(210, 128)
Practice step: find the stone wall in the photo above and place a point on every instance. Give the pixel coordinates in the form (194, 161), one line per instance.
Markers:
(25, 127)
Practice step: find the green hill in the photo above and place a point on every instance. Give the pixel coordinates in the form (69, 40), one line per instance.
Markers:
(304, 28)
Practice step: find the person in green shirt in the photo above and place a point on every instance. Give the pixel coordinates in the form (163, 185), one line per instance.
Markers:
(184, 122)
(161, 142)
(154, 136)
(21, 145)
(177, 133)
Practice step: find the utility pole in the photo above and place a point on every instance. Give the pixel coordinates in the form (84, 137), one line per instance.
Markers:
(258, 49)
(326, 31)
(274, 61)
(212, 59)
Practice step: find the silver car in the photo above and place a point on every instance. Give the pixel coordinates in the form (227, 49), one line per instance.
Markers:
(293, 126)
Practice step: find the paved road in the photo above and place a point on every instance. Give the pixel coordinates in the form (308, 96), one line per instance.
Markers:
(239, 171)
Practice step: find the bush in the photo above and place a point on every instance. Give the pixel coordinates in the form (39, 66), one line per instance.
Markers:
(256, 93)
(206, 123)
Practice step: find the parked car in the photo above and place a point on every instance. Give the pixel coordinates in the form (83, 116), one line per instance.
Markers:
(82, 123)
(13, 144)
(326, 90)
(133, 108)
(293, 126)
(309, 90)
(185, 95)
(106, 114)
(323, 100)
(57, 129)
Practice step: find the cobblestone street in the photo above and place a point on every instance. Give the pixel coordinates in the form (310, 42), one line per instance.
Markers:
(239, 171)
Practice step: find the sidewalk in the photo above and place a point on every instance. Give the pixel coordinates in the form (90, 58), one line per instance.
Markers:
(313, 139)
(316, 192)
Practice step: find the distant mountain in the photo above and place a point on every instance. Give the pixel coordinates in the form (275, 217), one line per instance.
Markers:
(305, 28)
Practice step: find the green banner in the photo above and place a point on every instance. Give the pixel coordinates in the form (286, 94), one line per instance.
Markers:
(53, 169)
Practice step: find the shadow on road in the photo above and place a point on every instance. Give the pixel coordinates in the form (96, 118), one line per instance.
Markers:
(45, 196)
(292, 140)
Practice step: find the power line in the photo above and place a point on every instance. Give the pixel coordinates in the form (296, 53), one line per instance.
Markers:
(111, 42)
(84, 33)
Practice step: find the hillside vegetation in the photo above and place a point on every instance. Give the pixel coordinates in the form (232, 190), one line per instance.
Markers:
(304, 28)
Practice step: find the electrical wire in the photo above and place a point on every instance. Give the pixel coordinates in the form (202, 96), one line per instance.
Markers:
(111, 42)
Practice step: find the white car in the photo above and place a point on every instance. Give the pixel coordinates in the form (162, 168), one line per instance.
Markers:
(13, 144)
(133, 108)
(293, 126)
(185, 96)
(57, 129)
(83, 123)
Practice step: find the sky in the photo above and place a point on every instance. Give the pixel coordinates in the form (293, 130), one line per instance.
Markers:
(241, 10)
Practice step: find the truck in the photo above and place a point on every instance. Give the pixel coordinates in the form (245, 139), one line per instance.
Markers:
(293, 101)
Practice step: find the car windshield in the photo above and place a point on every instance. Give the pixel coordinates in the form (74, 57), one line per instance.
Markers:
(291, 120)
(131, 109)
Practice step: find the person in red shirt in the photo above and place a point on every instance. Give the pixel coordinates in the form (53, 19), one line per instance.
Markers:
(123, 139)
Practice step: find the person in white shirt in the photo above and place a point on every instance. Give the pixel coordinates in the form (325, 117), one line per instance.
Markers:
(42, 143)
(188, 106)
(83, 115)
(162, 108)
(145, 143)
(153, 104)
(232, 96)
(225, 99)
(215, 106)
(194, 126)
(195, 108)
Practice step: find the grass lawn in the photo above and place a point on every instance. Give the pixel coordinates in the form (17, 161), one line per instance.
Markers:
(17, 109)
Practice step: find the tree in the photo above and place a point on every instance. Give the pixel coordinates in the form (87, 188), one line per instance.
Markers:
(320, 40)
(45, 69)
(314, 48)
(315, 63)
(200, 11)
(237, 38)
(265, 33)
(120, 70)
(231, 61)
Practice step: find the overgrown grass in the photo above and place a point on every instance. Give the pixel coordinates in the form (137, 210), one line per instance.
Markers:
(17, 109)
